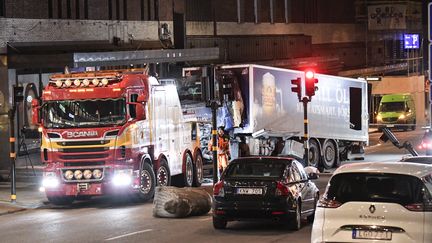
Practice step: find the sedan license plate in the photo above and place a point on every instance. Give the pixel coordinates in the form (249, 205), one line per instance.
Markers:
(249, 191)
(371, 234)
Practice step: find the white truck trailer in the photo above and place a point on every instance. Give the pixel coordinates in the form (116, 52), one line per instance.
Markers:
(272, 116)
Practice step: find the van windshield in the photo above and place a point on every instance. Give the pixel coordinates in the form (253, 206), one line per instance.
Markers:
(392, 107)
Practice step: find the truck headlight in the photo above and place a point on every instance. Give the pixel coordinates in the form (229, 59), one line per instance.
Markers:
(97, 174)
(402, 117)
(50, 180)
(68, 175)
(122, 177)
(78, 174)
(87, 174)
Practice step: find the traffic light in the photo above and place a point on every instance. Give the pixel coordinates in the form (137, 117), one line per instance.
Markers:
(18, 95)
(296, 87)
(226, 87)
(310, 82)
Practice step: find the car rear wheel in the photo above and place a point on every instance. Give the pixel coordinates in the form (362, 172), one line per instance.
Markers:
(295, 223)
(311, 217)
(219, 223)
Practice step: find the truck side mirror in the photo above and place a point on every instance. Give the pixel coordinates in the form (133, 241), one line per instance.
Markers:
(35, 112)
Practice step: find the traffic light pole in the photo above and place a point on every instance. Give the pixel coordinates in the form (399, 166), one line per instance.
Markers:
(12, 152)
(214, 107)
(305, 101)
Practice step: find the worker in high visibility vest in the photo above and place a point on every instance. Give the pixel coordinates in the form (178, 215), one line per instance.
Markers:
(223, 152)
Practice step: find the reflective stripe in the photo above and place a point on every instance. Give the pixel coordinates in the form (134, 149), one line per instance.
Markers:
(214, 148)
(214, 132)
(13, 197)
(12, 140)
(12, 155)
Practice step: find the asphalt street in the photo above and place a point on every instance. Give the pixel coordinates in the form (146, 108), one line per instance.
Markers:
(105, 219)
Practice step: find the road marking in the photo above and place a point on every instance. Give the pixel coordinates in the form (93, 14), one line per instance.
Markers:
(129, 234)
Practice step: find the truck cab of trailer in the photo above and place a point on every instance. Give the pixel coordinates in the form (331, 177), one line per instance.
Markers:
(112, 132)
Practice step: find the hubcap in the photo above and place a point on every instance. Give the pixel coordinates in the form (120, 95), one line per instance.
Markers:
(189, 170)
(146, 182)
(162, 176)
(329, 154)
(199, 169)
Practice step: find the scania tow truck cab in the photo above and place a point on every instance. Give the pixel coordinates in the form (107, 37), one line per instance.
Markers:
(398, 111)
(113, 132)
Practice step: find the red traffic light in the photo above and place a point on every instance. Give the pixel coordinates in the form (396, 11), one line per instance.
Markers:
(310, 82)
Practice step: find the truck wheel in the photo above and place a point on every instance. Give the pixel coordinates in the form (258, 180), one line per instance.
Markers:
(163, 175)
(147, 182)
(314, 153)
(198, 170)
(330, 155)
(61, 200)
(188, 173)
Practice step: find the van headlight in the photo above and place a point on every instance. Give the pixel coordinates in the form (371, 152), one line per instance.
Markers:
(122, 177)
(379, 118)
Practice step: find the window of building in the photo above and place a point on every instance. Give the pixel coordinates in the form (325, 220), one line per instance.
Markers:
(118, 9)
(110, 10)
(59, 8)
(2, 8)
(125, 9)
(77, 8)
(68, 9)
(86, 10)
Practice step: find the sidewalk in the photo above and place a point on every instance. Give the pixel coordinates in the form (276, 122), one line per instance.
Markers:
(28, 196)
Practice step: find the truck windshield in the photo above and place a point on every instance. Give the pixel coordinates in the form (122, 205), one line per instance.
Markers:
(84, 113)
(392, 107)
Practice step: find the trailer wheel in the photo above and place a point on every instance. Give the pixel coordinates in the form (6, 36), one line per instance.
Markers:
(147, 182)
(188, 171)
(330, 155)
(314, 153)
(61, 200)
(198, 170)
(163, 175)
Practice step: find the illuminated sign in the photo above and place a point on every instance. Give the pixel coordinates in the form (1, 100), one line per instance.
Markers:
(411, 41)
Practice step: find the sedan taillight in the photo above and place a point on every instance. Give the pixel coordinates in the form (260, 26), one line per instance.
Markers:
(328, 203)
(218, 189)
(281, 189)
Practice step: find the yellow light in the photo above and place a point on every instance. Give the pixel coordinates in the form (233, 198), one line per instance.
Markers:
(95, 81)
(402, 117)
(116, 89)
(68, 82)
(104, 81)
(86, 82)
(77, 82)
(379, 118)
(59, 83)
(40, 129)
(46, 92)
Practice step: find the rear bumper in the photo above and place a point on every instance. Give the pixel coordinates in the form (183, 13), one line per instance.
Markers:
(255, 210)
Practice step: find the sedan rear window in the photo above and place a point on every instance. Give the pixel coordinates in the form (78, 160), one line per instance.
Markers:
(255, 169)
(371, 187)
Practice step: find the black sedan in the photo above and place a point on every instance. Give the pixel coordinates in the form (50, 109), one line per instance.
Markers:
(264, 188)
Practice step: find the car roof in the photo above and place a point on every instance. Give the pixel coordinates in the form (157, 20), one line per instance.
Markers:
(413, 169)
